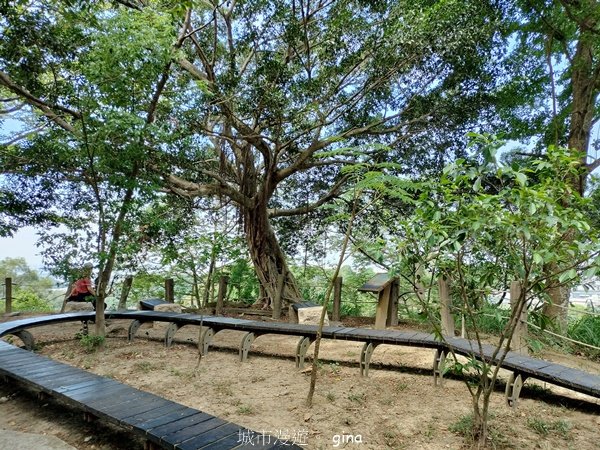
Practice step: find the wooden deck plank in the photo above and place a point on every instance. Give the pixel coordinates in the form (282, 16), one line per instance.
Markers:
(153, 414)
(178, 425)
(207, 425)
(211, 437)
(142, 407)
(166, 418)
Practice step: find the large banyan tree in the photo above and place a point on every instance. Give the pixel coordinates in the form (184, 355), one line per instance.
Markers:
(259, 103)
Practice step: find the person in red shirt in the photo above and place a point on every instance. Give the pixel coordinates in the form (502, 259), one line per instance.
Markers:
(82, 290)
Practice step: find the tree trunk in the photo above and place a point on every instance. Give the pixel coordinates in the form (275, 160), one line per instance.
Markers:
(107, 269)
(266, 254)
(195, 286)
(584, 78)
(125, 292)
(557, 309)
(209, 277)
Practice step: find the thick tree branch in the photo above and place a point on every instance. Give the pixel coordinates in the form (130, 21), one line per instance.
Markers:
(31, 99)
(23, 135)
(13, 109)
(192, 69)
(190, 189)
(46, 109)
(131, 4)
(333, 192)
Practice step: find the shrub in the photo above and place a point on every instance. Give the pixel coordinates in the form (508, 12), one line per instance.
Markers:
(25, 300)
(91, 343)
(586, 330)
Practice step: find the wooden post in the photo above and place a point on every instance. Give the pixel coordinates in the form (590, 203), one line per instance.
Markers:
(278, 300)
(392, 319)
(337, 299)
(221, 295)
(446, 307)
(381, 313)
(519, 339)
(8, 295)
(125, 292)
(169, 290)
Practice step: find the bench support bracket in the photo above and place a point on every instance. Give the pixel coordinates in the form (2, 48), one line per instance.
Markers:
(206, 336)
(513, 388)
(134, 326)
(170, 333)
(26, 337)
(365, 357)
(439, 364)
(245, 345)
(301, 349)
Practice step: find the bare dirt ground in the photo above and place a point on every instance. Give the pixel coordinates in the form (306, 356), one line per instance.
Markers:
(396, 407)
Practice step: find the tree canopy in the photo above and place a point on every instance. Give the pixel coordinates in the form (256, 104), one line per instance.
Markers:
(260, 104)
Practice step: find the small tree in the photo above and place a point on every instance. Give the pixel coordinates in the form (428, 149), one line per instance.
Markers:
(483, 223)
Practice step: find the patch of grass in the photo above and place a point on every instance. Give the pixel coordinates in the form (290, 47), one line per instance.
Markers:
(543, 427)
(182, 374)
(391, 438)
(330, 397)
(537, 389)
(429, 432)
(144, 366)
(175, 372)
(223, 388)
(586, 330)
(257, 379)
(335, 368)
(67, 354)
(463, 427)
(358, 397)
(400, 386)
(245, 410)
(91, 343)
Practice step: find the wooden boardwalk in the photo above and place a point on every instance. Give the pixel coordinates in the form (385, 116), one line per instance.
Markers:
(162, 423)
(522, 367)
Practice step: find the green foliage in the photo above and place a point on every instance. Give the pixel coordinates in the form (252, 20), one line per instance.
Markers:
(243, 284)
(544, 427)
(463, 427)
(147, 285)
(488, 319)
(586, 330)
(31, 291)
(484, 224)
(26, 300)
(91, 343)
(314, 281)
(257, 104)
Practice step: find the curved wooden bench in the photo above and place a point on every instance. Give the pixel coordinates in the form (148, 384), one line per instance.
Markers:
(162, 423)
(522, 367)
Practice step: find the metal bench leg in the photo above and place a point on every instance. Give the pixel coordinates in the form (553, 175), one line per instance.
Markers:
(206, 337)
(26, 337)
(439, 363)
(513, 388)
(365, 357)
(170, 333)
(301, 349)
(134, 326)
(245, 345)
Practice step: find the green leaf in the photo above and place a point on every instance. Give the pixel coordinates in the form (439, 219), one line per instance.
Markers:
(521, 178)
